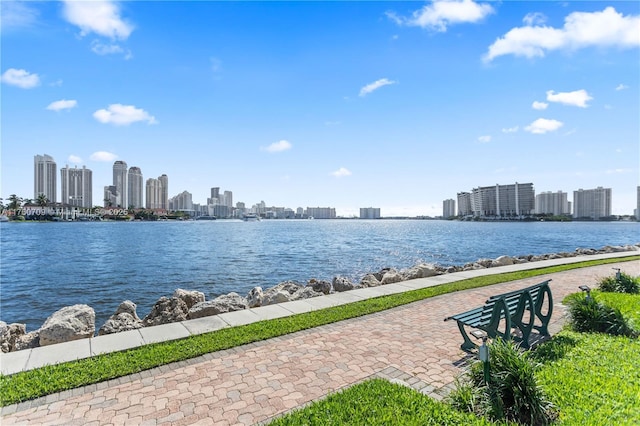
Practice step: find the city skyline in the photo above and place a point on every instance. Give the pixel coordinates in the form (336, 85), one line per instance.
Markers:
(394, 105)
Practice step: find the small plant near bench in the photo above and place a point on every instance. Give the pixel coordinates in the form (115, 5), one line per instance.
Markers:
(586, 314)
(620, 283)
(511, 393)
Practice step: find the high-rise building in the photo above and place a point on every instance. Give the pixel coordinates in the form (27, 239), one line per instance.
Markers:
(448, 208)
(135, 185)
(152, 191)
(227, 196)
(321, 212)
(76, 186)
(110, 196)
(592, 203)
(181, 202)
(44, 177)
(120, 182)
(464, 204)
(164, 192)
(369, 213)
(554, 203)
(503, 200)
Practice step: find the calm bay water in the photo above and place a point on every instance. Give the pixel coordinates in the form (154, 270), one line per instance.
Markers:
(46, 266)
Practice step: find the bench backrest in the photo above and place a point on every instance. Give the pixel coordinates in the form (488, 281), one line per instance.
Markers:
(511, 300)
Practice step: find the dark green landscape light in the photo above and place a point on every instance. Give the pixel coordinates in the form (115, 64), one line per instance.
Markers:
(483, 353)
(587, 290)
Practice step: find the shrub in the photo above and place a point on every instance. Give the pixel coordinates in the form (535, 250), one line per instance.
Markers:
(588, 315)
(512, 393)
(625, 284)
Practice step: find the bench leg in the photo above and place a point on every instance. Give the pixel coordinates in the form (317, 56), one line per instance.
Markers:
(545, 295)
(467, 345)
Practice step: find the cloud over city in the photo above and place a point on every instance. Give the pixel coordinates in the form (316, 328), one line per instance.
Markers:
(341, 172)
(577, 98)
(103, 156)
(123, 115)
(62, 105)
(606, 28)
(279, 146)
(20, 78)
(371, 87)
(439, 15)
(543, 125)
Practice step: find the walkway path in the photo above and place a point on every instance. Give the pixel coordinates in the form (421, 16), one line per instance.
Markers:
(253, 383)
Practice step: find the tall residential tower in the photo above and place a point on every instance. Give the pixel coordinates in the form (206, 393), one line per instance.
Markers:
(76, 186)
(44, 177)
(120, 182)
(134, 188)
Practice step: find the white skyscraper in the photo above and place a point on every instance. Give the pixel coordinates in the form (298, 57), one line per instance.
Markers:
(164, 192)
(76, 186)
(120, 182)
(554, 203)
(135, 186)
(44, 177)
(592, 203)
(448, 208)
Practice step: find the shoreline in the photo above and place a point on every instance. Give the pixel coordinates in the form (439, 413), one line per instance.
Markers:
(78, 321)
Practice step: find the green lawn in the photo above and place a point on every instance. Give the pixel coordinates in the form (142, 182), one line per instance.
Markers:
(50, 379)
(591, 378)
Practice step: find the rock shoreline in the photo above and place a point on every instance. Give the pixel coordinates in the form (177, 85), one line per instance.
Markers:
(78, 321)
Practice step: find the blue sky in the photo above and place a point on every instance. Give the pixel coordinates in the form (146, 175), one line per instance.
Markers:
(397, 105)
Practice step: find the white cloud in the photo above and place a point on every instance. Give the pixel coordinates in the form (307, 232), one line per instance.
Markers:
(102, 49)
(103, 156)
(619, 171)
(20, 78)
(341, 172)
(101, 17)
(484, 139)
(375, 86)
(279, 146)
(511, 129)
(539, 105)
(440, 14)
(74, 159)
(123, 115)
(622, 87)
(607, 28)
(535, 18)
(16, 14)
(56, 83)
(577, 98)
(543, 125)
(62, 104)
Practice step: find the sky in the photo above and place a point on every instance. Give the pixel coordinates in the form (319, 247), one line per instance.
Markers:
(396, 105)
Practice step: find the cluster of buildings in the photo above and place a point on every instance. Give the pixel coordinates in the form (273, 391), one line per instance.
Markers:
(129, 191)
(519, 200)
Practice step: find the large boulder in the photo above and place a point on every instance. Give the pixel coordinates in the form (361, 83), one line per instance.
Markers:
(28, 341)
(69, 323)
(124, 319)
(165, 311)
(190, 297)
(320, 286)
(221, 304)
(306, 293)
(422, 270)
(255, 297)
(369, 280)
(341, 284)
(502, 261)
(9, 334)
(280, 293)
(392, 276)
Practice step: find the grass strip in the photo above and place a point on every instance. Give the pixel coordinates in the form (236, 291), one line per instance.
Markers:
(378, 402)
(593, 378)
(43, 381)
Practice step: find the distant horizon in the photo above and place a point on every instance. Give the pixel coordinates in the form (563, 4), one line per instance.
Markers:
(393, 105)
(352, 211)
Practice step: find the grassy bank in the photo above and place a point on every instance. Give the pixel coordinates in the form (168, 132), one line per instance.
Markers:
(50, 379)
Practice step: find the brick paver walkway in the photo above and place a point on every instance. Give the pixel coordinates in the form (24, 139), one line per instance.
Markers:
(253, 383)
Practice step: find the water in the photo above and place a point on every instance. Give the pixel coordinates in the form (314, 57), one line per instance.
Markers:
(46, 266)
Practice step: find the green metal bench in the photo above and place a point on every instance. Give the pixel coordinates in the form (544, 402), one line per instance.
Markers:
(510, 307)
